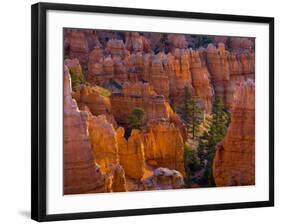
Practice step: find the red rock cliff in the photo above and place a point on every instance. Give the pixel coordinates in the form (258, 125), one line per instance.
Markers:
(81, 173)
(234, 162)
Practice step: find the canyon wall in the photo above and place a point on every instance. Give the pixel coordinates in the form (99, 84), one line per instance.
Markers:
(234, 162)
(81, 173)
(160, 151)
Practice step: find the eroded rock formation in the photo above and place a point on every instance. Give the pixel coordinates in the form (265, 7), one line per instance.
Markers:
(163, 179)
(121, 71)
(95, 100)
(234, 162)
(160, 151)
(138, 95)
(201, 82)
(104, 142)
(81, 173)
(78, 46)
(131, 153)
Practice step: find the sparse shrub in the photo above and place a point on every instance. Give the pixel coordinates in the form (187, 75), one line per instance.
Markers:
(76, 80)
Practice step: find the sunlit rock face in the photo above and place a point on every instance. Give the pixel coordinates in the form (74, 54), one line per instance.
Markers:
(219, 69)
(116, 179)
(201, 81)
(104, 142)
(160, 150)
(234, 162)
(227, 70)
(163, 179)
(178, 69)
(97, 103)
(131, 153)
(81, 173)
(138, 95)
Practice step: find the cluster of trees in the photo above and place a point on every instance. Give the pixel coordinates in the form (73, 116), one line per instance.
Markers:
(208, 141)
(201, 158)
(192, 113)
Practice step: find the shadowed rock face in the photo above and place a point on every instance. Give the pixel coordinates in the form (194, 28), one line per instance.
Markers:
(78, 46)
(234, 162)
(81, 174)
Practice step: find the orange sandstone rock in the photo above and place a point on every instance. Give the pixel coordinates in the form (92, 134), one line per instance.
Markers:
(131, 153)
(138, 95)
(81, 173)
(177, 41)
(118, 182)
(164, 144)
(104, 142)
(136, 42)
(97, 103)
(234, 162)
(78, 46)
(201, 82)
(116, 47)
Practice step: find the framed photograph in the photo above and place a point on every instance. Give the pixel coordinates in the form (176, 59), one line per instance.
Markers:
(140, 111)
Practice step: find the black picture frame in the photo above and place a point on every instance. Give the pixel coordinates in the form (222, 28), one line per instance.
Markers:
(39, 121)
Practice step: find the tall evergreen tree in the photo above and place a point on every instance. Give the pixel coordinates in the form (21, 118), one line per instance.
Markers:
(192, 113)
(216, 133)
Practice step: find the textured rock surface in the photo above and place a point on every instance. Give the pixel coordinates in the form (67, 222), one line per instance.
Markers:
(74, 66)
(97, 103)
(219, 68)
(123, 70)
(81, 174)
(163, 179)
(159, 148)
(200, 81)
(138, 95)
(177, 41)
(241, 43)
(78, 46)
(159, 77)
(234, 162)
(104, 142)
(131, 153)
(118, 179)
(136, 43)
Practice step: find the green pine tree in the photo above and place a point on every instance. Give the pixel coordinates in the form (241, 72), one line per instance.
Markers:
(219, 123)
(192, 113)
(136, 118)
